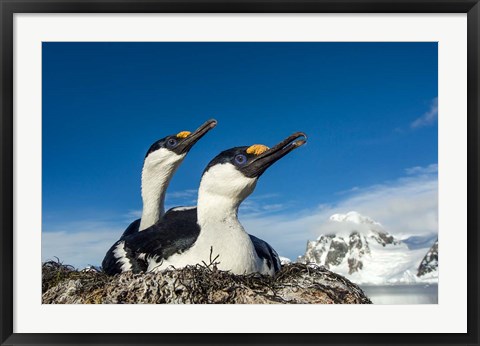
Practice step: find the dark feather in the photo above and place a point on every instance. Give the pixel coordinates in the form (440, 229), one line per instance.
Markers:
(132, 228)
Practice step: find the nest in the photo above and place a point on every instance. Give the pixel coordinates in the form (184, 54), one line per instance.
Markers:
(55, 273)
(201, 284)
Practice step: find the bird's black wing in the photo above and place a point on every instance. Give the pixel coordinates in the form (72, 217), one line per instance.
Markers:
(174, 234)
(265, 251)
(112, 264)
(121, 254)
(131, 229)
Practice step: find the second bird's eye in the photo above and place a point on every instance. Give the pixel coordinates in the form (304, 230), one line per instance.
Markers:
(171, 142)
(240, 159)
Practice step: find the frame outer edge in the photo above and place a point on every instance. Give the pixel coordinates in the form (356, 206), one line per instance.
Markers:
(241, 6)
(473, 131)
(6, 172)
(7, 8)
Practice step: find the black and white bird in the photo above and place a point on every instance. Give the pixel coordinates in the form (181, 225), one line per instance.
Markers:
(213, 229)
(160, 164)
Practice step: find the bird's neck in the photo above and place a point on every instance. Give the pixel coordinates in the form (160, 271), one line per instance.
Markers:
(154, 187)
(220, 193)
(216, 209)
(222, 233)
(219, 224)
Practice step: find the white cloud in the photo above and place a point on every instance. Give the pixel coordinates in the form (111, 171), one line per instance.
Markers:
(189, 193)
(406, 206)
(430, 169)
(79, 246)
(261, 205)
(133, 214)
(427, 118)
(181, 198)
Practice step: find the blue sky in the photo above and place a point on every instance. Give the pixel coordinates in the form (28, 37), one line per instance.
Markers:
(369, 110)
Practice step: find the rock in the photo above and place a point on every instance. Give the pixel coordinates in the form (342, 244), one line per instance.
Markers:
(429, 263)
(295, 284)
(359, 248)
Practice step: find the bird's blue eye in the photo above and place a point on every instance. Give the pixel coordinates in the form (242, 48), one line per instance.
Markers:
(171, 143)
(240, 159)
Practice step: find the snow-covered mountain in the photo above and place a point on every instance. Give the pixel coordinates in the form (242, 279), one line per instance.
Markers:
(285, 260)
(428, 268)
(361, 249)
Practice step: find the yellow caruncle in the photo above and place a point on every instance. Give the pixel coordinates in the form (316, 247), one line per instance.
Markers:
(183, 134)
(257, 149)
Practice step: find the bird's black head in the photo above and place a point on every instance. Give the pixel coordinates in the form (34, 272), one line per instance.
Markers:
(233, 173)
(183, 141)
(252, 161)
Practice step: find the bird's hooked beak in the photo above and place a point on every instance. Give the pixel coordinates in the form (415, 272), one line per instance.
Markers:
(187, 139)
(268, 157)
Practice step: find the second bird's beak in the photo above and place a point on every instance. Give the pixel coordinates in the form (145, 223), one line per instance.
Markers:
(260, 164)
(187, 143)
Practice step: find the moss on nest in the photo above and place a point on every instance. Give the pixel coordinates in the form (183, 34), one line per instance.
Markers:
(55, 272)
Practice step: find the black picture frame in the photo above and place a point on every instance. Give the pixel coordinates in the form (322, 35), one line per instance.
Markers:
(10, 7)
